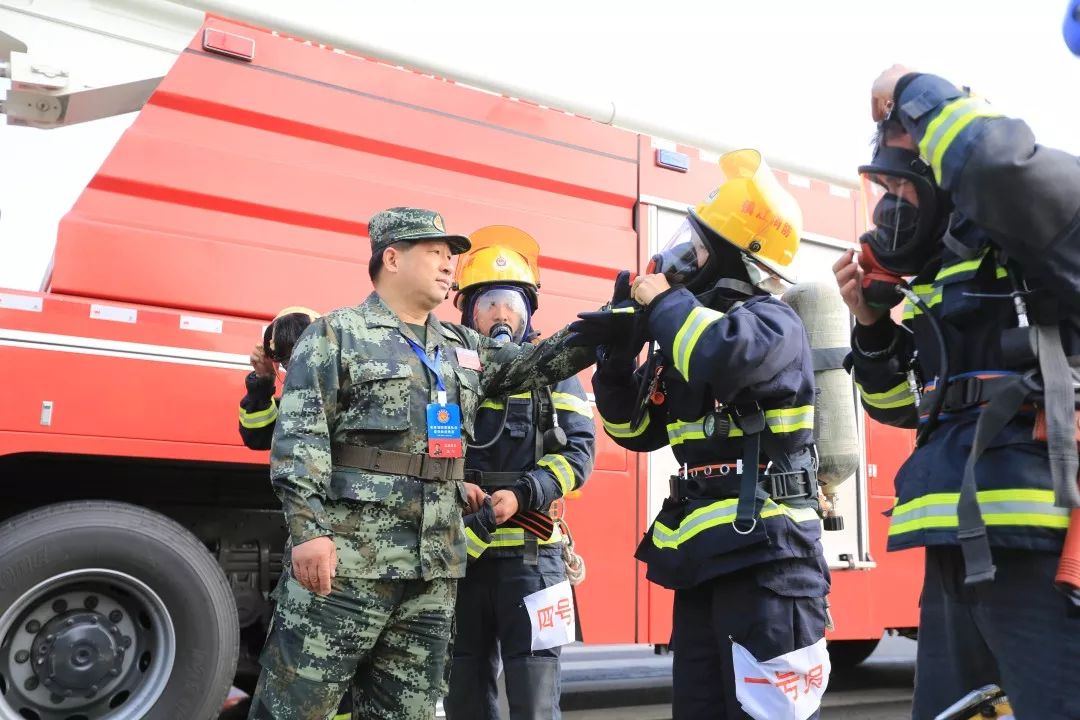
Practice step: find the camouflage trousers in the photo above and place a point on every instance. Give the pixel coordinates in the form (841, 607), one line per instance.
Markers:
(392, 635)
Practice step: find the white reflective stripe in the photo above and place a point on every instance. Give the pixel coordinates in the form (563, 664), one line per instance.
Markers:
(622, 430)
(571, 403)
(562, 470)
(679, 431)
(686, 338)
(473, 544)
(895, 397)
(515, 537)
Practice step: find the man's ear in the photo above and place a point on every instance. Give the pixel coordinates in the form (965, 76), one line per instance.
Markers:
(392, 258)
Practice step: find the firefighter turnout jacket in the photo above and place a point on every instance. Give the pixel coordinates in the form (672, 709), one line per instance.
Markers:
(732, 357)
(1010, 259)
(517, 460)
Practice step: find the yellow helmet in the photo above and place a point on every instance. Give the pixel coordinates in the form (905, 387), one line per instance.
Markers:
(752, 211)
(500, 255)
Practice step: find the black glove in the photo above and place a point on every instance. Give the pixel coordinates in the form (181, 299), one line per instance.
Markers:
(620, 326)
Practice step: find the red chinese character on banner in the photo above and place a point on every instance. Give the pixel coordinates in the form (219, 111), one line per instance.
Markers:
(747, 207)
(564, 611)
(544, 617)
(814, 677)
(786, 230)
(789, 683)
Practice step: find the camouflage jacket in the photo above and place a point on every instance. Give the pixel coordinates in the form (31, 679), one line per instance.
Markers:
(354, 378)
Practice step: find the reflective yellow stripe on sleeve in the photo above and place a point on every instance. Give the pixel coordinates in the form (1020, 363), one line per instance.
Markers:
(259, 418)
(943, 129)
(560, 467)
(896, 397)
(623, 430)
(474, 546)
(688, 335)
(572, 403)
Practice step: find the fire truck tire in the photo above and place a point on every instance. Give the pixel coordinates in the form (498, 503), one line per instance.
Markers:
(849, 653)
(111, 610)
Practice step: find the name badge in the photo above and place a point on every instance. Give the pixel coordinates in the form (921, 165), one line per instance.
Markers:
(444, 430)
(468, 359)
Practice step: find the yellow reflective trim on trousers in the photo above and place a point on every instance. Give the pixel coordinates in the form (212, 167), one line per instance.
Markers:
(1030, 507)
(505, 537)
(474, 546)
(562, 470)
(895, 397)
(496, 405)
(721, 512)
(686, 338)
(260, 418)
(572, 403)
(622, 430)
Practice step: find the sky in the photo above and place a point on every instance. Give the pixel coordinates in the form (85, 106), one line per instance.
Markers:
(789, 78)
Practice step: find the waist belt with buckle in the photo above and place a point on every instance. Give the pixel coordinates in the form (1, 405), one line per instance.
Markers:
(720, 481)
(390, 462)
(493, 480)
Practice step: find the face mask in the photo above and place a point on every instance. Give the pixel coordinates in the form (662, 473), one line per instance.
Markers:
(908, 215)
(505, 309)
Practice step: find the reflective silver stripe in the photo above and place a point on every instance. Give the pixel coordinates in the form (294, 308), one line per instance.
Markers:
(895, 397)
(1014, 507)
(687, 336)
(721, 512)
(944, 128)
(260, 418)
(622, 430)
(474, 546)
(679, 432)
(562, 470)
(515, 537)
(785, 420)
(571, 403)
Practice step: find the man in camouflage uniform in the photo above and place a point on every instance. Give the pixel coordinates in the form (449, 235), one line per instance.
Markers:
(375, 520)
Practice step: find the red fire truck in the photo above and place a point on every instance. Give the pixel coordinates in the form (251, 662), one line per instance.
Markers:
(138, 538)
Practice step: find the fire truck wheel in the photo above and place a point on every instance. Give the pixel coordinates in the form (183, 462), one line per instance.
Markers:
(111, 610)
(849, 653)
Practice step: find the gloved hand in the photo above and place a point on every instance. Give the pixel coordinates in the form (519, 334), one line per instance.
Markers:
(619, 326)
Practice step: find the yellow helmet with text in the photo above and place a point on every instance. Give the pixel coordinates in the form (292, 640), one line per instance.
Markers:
(751, 210)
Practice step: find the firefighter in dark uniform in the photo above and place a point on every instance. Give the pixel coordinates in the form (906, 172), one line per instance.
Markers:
(984, 223)
(731, 390)
(532, 450)
(259, 407)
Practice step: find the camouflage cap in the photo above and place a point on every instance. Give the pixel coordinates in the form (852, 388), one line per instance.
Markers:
(406, 224)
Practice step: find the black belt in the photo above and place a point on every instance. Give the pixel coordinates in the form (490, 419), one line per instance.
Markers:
(390, 462)
(497, 480)
(780, 486)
